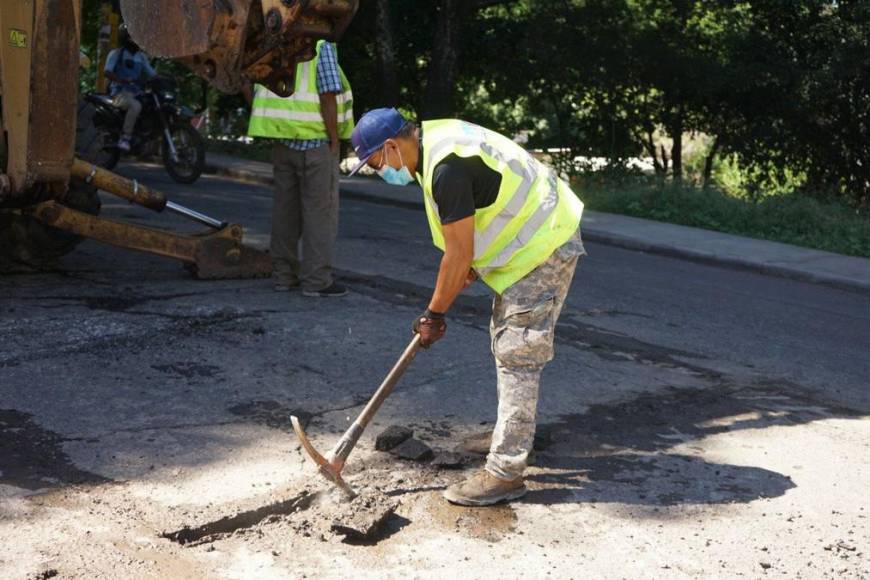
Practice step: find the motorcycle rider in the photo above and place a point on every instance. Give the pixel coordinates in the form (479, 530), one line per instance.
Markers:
(124, 68)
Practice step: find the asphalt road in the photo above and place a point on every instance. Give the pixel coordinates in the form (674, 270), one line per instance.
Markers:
(708, 421)
(753, 326)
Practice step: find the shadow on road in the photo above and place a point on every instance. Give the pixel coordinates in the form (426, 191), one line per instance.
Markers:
(172, 335)
(638, 452)
(625, 453)
(32, 457)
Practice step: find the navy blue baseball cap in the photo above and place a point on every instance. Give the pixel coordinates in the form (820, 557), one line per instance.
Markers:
(373, 129)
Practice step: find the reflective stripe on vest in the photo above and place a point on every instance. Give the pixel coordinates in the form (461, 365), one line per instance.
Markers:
(298, 116)
(534, 213)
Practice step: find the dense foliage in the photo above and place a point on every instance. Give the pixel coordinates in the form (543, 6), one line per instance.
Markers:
(778, 88)
(781, 85)
(793, 219)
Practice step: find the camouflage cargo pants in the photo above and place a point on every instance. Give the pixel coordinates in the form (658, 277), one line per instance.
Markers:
(522, 329)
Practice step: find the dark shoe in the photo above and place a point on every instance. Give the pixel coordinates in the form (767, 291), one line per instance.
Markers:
(482, 489)
(334, 290)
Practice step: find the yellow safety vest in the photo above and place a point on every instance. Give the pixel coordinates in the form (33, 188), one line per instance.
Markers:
(298, 116)
(534, 213)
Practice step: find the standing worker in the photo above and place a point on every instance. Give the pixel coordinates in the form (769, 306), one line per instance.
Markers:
(503, 217)
(124, 68)
(306, 127)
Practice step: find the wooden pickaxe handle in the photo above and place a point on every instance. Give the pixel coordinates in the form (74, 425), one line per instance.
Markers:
(345, 445)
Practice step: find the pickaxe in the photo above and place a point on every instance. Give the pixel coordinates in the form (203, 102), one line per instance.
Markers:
(331, 465)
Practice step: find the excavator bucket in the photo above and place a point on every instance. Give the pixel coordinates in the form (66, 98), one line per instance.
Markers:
(232, 42)
(212, 255)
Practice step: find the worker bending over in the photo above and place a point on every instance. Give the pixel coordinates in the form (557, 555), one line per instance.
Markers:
(501, 216)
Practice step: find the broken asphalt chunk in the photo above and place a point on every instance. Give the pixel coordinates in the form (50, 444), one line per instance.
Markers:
(412, 450)
(392, 436)
(364, 516)
(450, 460)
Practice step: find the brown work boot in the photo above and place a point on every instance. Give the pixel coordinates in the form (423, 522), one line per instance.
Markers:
(482, 488)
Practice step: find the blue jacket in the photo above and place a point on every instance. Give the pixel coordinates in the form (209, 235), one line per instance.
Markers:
(127, 65)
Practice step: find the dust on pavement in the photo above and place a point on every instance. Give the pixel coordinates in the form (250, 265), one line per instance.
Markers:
(145, 425)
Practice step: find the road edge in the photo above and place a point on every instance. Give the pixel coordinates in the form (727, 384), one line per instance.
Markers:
(608, 238)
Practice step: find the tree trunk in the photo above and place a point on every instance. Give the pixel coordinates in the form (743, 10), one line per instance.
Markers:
(203, 102)
(683, 8)
(650, 145)
(203, 105)
(442, 72)
(677, 148)
(708, 162)
(438, 98)
(389, 82)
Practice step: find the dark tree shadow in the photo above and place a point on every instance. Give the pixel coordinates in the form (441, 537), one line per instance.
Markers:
(32, 457)
(622, 453)
(663, 480)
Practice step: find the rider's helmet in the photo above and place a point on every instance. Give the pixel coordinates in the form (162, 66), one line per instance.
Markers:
(125, 40)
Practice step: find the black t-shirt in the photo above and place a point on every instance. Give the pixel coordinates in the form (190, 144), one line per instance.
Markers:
(461, 185)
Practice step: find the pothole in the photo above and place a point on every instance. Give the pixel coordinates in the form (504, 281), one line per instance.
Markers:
(228, 525)
(366, 520)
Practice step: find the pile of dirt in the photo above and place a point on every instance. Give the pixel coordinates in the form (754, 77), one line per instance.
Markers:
(332, 516)
(324, 515)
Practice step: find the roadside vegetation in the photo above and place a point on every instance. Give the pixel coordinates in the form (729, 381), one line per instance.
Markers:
(790, 218)
(726, 198)
(777, 93)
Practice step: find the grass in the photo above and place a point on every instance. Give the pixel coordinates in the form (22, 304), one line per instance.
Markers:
(792, 218)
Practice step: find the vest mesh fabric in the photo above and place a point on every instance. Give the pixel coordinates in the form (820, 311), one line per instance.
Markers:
(534, 213)
(298, 116)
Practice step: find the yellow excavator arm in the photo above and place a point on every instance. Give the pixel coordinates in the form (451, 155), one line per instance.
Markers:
(228, 42)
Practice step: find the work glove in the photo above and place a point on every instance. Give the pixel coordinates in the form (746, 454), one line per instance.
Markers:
(431, 326)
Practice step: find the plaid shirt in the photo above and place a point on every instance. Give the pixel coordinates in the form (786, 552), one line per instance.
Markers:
(328, 81)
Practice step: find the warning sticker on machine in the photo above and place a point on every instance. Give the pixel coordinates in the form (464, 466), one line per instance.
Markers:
(17, 38)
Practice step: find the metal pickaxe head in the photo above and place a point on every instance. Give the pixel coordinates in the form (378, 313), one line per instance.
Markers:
(331, 465)
(331, 470)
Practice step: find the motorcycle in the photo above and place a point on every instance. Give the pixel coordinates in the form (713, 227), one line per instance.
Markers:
(162, 124)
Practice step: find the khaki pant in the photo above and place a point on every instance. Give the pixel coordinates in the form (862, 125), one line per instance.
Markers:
(125, 100)
(305, 209)
(522, 330)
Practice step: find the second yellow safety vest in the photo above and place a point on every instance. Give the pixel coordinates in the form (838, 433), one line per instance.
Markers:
(298, 116)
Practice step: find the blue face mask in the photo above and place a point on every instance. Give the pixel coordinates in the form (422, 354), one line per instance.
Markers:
(395, 176)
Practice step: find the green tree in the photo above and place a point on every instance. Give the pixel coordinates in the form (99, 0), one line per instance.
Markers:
(800, 95)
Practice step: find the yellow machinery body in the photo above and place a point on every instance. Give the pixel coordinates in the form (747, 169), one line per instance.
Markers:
(38, 86)
(228, 42)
